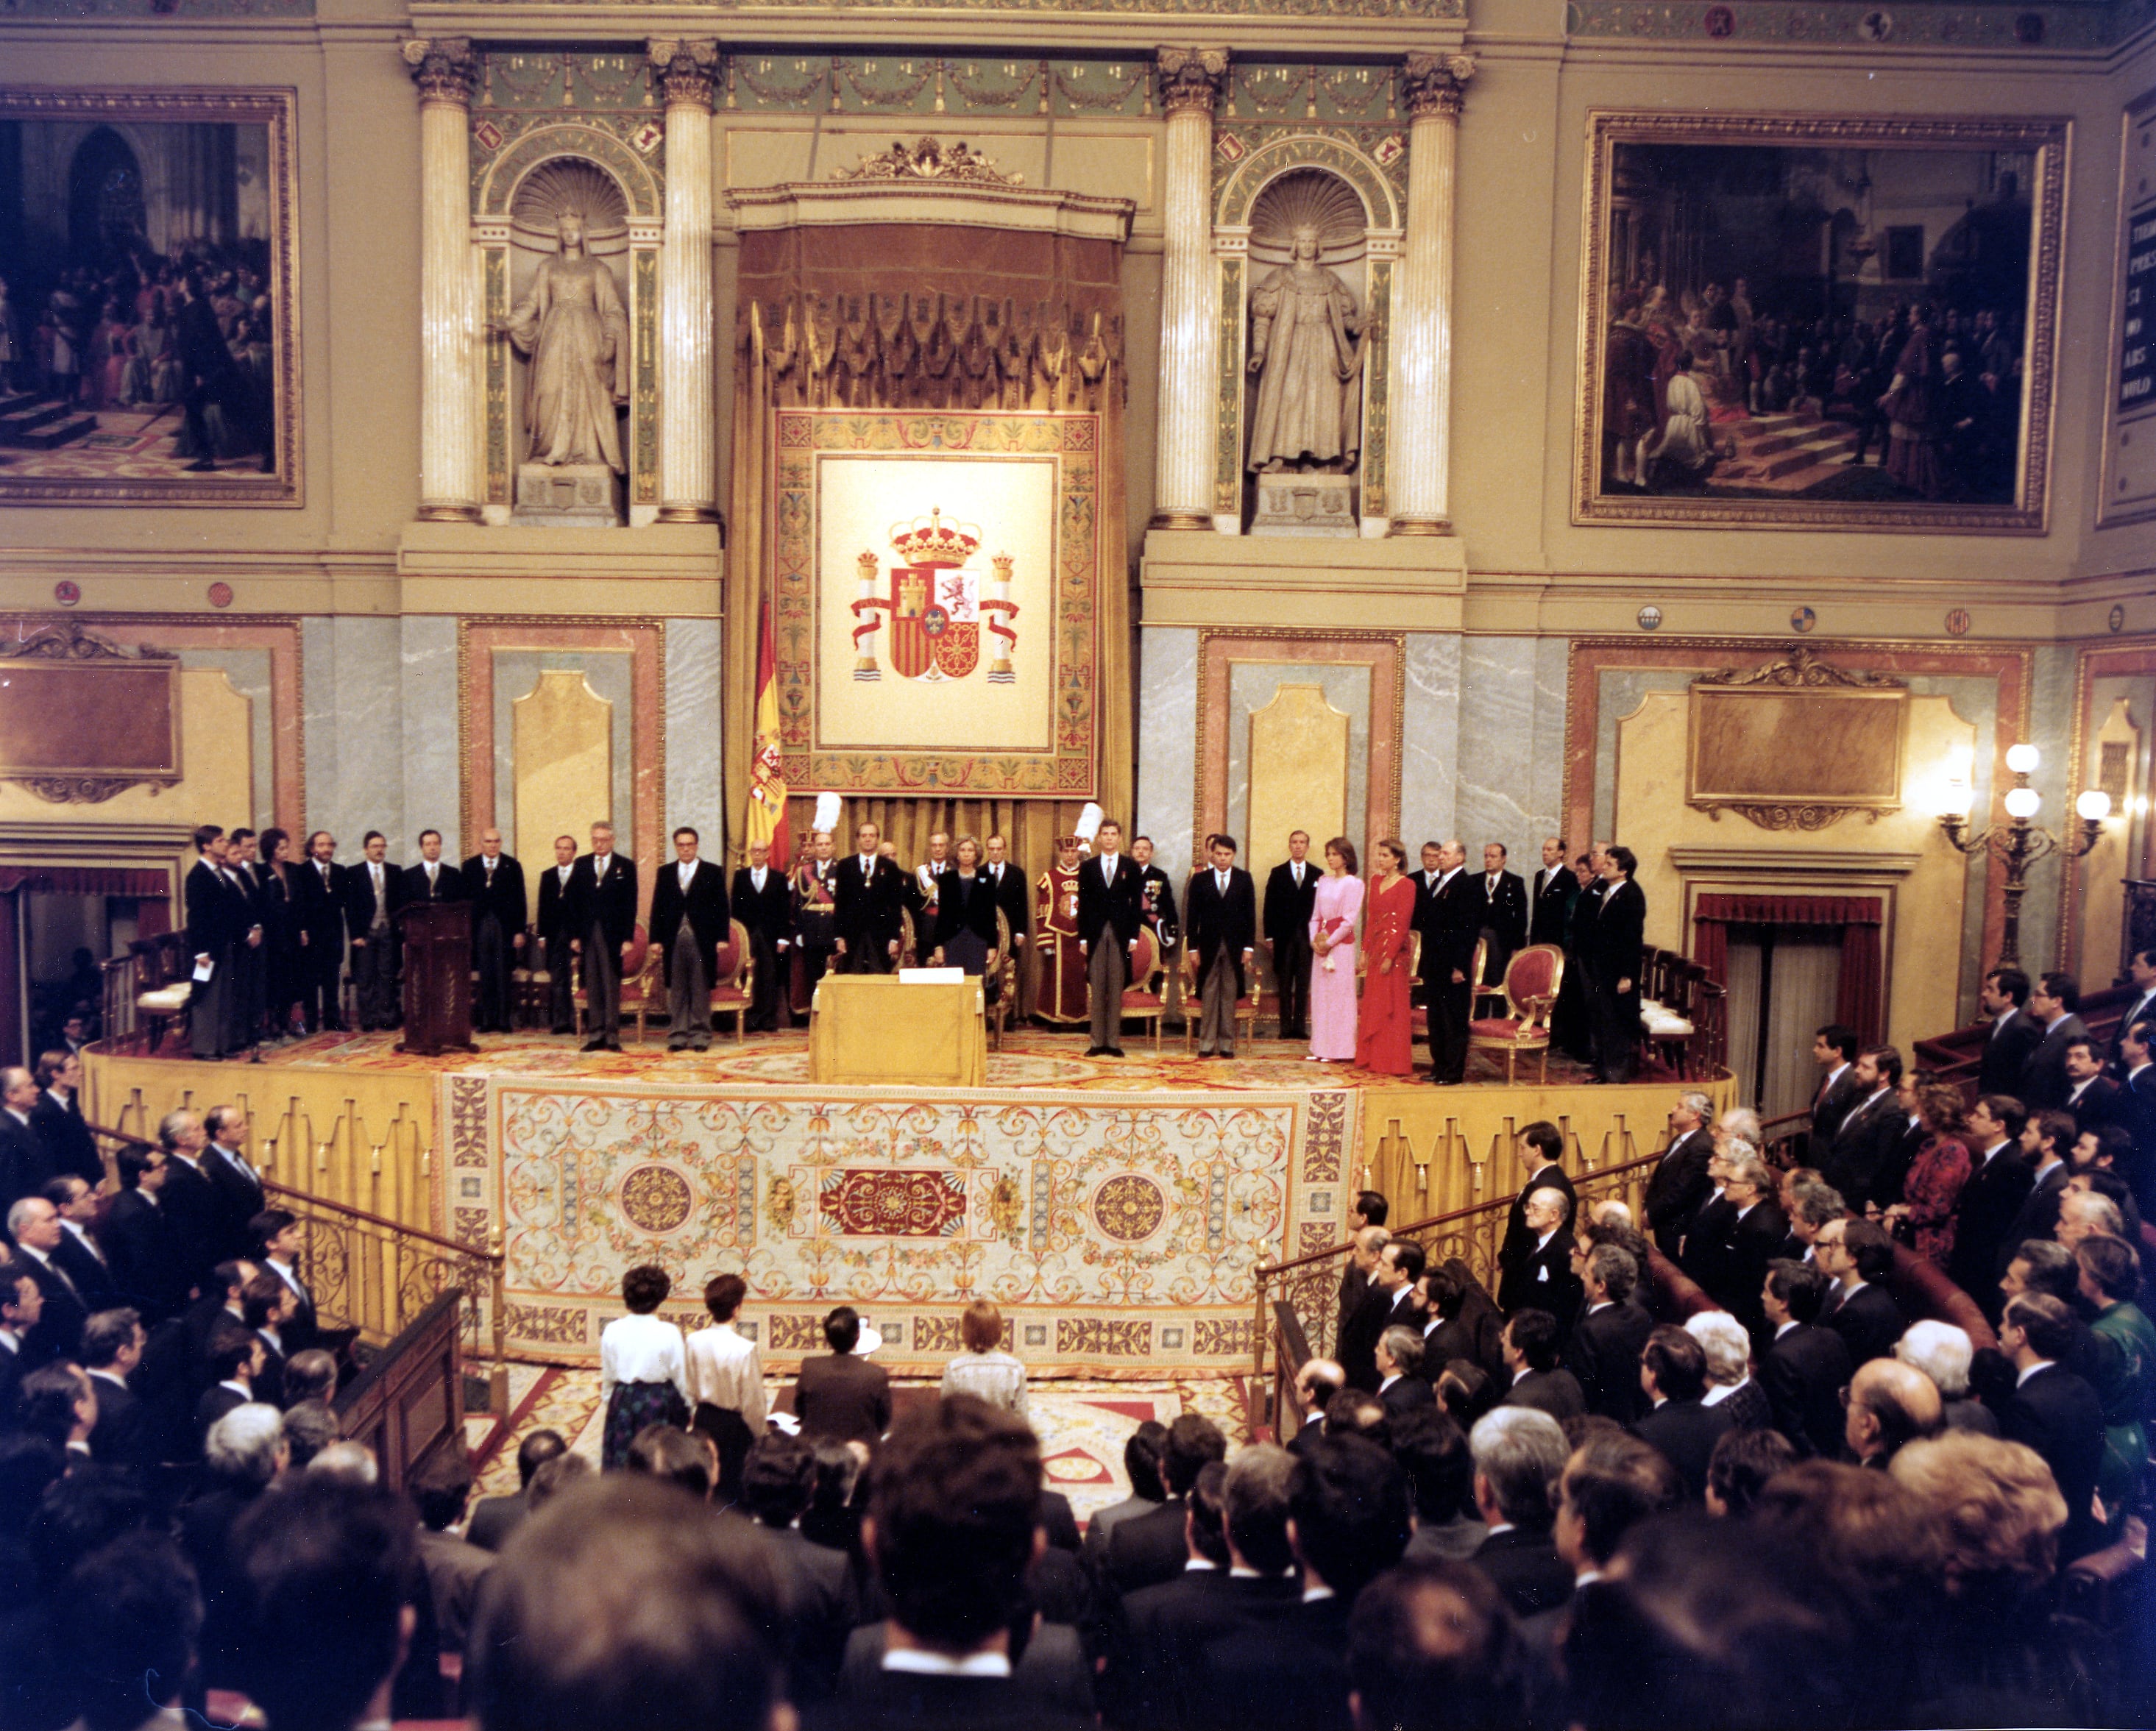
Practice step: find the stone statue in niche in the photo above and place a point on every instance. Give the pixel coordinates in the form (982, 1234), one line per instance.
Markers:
(572, 327)
(1305, 351)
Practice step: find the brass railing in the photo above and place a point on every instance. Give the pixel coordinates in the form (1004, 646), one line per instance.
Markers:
(369, 1273)
(1309, 1285)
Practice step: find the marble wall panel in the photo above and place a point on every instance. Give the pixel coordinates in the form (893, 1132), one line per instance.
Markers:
(1430, 739)
(354, 729)
(1168, 725)
(1251, 686)
(695, 764)
(427, 651)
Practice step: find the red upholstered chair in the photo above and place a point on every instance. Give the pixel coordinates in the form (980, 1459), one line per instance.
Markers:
(1485, 995)
(733, 987)
(1246, 1006)
(1145, 997)
(643, 984)
(1531, 979)
(1418, 1014)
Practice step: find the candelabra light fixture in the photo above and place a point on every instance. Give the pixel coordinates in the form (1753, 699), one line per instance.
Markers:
(2018, 843)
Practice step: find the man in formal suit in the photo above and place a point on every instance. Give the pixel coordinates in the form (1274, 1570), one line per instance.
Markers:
(1679, 1183)
(1833, 1050)
(2141, 974)
(2093, 1100)
(1891, 1404)
(1453, 917)
(237, 1184)
(277, 1239)
(1240, 1576)
(1519, 1452)
(1572, 1022)
(494, 1519)
(558, 942)
(1369, 1208)
(843, 1396)
(2054, 1411)
(690, 917)
(1550, 895)
(1401, 1385)
(1855, 1157)
(1348, 1522)
(1999, 1179)
(763, 902)
(1537, 1379)
(868, 903)
(323, 896)
(1290, 893)
(1504, 927)
(1012, 897)
(1616, 949)
(1221, 918)
(1539, 1147)
(1110, 908)
(2138, 1056)
(78, 1253)
(432, 880)
(147, 1264)
(235, 1357)
(111, 1347)
(2053, 1001)
(1156, 897)
(495, 884)
(34, 1226)
(374, 891)
(1859, 1257)
(1540, 1276)
(602, 921)
(215, 911)
(1805, 1368)
(250, 961)
(2047, 1138)
(2013, 1034)
(1148, 1549)
(1603, 1352)
(26, 1164)
(266, 1307)
(22, 1305)
(1389, 1302)
(58, 1119)
(1678, 1421)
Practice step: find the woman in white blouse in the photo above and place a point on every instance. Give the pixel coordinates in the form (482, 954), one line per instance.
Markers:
(983, 1368)
(726, 1382)
(643, 1367)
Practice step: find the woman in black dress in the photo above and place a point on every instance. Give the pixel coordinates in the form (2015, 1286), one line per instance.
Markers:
(966, 934)
(280, 937)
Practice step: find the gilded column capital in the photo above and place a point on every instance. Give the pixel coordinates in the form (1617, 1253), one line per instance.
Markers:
(443, 67)
(1435, 85)
(1191, 78)
(687, 69)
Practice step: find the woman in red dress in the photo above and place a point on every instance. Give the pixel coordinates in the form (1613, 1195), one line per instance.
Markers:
(1384, 1025)
(1942, 1166)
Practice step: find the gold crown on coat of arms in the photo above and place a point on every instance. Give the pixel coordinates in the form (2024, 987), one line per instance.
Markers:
(929, 540)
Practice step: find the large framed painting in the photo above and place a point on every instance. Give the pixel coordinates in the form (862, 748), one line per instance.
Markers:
(1801, 323)
(935, 579)
(147, 279)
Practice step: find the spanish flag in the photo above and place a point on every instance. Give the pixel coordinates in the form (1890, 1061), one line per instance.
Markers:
(767, 775)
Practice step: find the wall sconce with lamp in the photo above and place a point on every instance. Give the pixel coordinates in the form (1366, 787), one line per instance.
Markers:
(2018, 843)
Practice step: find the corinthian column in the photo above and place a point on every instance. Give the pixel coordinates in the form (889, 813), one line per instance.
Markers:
(446, 71)
(1191, 80)
(688, 460)
(1422, 303)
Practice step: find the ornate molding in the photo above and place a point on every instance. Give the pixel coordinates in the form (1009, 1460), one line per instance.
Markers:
(1803, 817)
(69, 640)
(444, 68)
(1191, 78)
(930, 158)
(1436, 84)
(83, 789)
(1801, 669)
(687, 69)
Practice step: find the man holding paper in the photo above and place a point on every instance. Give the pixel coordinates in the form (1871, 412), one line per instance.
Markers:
(216, 922)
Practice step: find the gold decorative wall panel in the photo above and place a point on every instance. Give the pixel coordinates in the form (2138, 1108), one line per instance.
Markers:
(1298, 768)
(564, 742)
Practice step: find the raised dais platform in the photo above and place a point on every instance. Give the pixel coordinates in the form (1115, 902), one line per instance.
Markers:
(1114, 1209)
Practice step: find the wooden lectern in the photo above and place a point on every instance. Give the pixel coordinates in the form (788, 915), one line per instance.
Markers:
(438, 959)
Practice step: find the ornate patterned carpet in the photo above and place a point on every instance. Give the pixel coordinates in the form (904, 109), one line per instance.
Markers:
(1082, 1425)
(1119, 1234)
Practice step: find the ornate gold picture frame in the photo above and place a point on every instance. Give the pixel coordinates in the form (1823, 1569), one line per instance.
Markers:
(1796, 322)
(149, 349)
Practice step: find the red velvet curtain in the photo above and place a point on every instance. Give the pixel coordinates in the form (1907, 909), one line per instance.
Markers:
(1858, 996)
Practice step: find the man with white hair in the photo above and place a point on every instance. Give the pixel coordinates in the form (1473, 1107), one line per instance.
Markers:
(1518, 1452)
(26, 1164)
(1943, 1353)
(1729, 1384)
(2082, 1212)
(1540, 1278)
(1679, 1183)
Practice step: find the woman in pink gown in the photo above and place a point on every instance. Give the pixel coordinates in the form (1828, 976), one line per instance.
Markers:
(1333, 955)
(1384, 1034)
